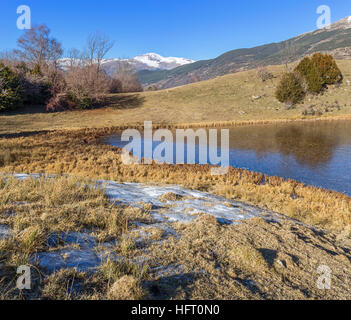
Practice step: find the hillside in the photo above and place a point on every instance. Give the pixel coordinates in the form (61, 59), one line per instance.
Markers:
(336, 40)
(235, 97)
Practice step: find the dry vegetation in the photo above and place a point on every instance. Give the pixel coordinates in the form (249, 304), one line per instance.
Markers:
(36, 209)
(231, 99)
(34, 74)
(81, 153)
(257, 259)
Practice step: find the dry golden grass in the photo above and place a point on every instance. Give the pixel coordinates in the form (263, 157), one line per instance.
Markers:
(113, 281)
(126, 288)
(45, 206)
(35, 209)
(171, 197)
(226, 100)
(81, 153)
(254, 260)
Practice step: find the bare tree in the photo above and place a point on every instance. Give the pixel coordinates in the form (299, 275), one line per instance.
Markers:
(85, 82)
(98, 45)
(125, 74)
(9, 57)
(76, 57)
(38, 47)
(290, 52)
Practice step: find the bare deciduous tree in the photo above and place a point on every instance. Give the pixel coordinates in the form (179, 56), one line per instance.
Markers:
(85, 82)
(98, 45)
(125, 74)
(75, 57)
(38, 47)
(290, 52)
(9, 58)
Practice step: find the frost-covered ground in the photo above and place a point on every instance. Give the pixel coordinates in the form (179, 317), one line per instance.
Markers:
(176, 243)
(191, 205)
(83, 252)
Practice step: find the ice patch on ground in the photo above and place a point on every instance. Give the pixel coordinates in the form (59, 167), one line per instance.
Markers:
(86, 255)
(193, 203)
(5, 232)
(83, 252)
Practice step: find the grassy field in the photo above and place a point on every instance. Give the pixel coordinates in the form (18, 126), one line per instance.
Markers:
(255, 260)
(45, 207)
(228, 99)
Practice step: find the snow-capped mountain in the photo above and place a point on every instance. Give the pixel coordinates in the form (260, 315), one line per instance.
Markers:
(149, 61)
(155, 61)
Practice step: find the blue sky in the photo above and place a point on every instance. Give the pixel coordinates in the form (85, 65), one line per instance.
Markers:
(196, 29)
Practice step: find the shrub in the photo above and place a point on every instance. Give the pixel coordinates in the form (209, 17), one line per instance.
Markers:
(319, 71)
(81, 99)
(116, 86)
(37, 71)
(36, 91)
(152, 88)
(311, 75)
(10, 89)
(327, 67)
(59, 102)
(37, 88)
(264, 74)
(290, 89)
(125, 74)
(314, 81)
(130, 83)
(87, 86)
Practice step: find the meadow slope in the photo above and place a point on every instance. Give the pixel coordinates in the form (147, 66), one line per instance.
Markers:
(230, 99)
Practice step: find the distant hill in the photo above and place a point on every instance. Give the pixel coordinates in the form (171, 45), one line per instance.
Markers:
(148, 61)
(336, 40)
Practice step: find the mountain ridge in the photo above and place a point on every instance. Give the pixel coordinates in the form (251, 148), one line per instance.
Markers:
(335, 39)
(148, 61)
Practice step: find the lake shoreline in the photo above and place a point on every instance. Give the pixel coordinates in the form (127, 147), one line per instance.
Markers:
(12, 121)
(310, 153)
(81, 153)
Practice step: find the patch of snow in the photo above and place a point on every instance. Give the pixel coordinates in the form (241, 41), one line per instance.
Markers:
(155, 61)
(82, 251)
(82, 260)
(82, 239)
(194, 203)
(87, 257)
(5, 232)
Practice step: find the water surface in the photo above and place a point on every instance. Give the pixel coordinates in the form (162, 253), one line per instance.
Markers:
(316, 153)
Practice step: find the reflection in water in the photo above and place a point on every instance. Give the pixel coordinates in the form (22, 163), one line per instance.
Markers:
(308, 148)
(316, 153)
